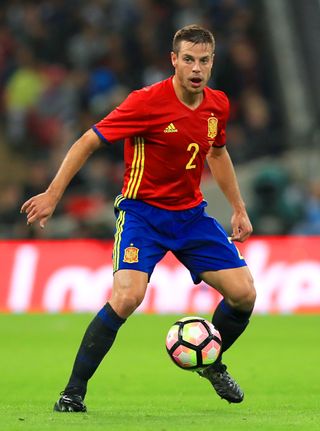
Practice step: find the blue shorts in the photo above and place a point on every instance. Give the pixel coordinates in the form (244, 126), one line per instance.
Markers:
(144, 234)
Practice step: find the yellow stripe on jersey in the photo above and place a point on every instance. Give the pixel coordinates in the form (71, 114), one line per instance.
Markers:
(117, 240)
(137, 171)
(137, 168)
(141, 169)
(133, 165)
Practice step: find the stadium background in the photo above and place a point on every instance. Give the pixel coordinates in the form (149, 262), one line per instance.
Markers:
(64, 65)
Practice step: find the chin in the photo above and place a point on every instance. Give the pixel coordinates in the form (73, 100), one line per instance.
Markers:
(197, 90)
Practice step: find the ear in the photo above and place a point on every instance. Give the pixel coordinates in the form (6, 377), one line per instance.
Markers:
(173, 59)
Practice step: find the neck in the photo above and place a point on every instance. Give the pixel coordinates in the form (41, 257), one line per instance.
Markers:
(191, 100)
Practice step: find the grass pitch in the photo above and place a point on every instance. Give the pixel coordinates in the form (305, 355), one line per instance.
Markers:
(137, 387)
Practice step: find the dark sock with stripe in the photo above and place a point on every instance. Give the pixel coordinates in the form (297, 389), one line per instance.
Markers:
(96, 342)
(230, 322)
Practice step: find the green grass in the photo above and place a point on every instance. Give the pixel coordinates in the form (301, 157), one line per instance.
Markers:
(138, 388)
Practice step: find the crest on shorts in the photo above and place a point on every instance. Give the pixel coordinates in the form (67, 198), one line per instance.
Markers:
(212, 127)
(131, 254)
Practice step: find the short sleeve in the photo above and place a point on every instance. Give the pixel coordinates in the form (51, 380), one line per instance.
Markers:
(127, 120)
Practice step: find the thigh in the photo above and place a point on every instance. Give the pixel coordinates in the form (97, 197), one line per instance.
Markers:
(236, 285)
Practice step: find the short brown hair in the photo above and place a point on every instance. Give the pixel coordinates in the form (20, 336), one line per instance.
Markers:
(192, 33)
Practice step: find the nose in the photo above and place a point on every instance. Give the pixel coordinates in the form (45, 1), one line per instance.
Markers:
(196, 66)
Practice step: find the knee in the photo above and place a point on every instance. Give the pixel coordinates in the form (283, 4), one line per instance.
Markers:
(126, 298)
(244, 297)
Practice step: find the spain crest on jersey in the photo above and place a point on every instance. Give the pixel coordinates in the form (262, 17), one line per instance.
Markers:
(212, 127)
(131, 254)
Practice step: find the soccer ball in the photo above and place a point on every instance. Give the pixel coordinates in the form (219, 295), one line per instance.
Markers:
(193, 343)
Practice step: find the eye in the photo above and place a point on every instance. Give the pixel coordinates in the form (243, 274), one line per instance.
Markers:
(187, 59)
(205, 60)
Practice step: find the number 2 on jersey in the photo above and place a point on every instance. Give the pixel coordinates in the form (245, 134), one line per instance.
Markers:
(194, 148)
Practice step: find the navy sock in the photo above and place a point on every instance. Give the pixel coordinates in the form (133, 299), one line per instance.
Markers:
(96, 342)
(230, 322)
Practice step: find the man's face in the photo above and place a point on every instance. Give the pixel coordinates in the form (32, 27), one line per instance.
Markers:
(193, 64)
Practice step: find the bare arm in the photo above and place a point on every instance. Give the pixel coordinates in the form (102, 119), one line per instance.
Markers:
(222, 169)
(42, 206)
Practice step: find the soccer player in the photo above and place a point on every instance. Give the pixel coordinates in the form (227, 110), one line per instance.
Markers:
(170, 129)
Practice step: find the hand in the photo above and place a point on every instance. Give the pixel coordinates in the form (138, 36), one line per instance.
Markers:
(241, 226)
(39, 207)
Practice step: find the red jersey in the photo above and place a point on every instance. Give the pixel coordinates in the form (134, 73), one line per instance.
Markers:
(166, 143)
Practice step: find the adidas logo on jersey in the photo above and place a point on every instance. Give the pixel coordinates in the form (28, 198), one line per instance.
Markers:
(170, 129)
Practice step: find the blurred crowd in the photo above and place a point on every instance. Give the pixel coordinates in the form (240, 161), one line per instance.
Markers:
(66, 64)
